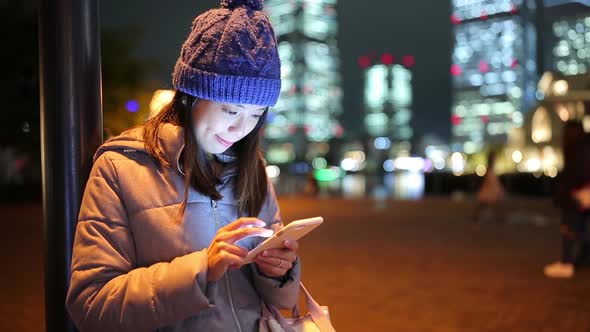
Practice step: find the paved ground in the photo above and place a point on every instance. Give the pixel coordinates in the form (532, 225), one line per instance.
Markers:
(382, 266)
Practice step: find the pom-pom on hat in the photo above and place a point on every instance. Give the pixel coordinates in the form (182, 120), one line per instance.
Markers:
(231, 56)
(253, 4)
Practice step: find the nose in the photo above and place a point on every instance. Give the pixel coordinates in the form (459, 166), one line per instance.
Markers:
(239, 126)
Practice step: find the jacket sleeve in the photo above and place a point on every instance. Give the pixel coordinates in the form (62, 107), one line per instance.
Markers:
(108, 292)
(280, 292)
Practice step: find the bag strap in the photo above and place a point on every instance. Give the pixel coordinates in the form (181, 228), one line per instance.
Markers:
(316, 312)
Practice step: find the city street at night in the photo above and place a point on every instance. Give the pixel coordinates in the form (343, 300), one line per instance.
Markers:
(446, 144)
(383, 266)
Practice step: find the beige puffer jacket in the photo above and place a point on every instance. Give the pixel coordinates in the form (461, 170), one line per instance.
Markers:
(134, 270)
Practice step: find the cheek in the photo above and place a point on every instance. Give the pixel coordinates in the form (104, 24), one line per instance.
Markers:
(210, 124)
(200, 131)
(251, 125)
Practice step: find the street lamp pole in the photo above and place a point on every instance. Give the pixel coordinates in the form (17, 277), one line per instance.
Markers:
(71, 130)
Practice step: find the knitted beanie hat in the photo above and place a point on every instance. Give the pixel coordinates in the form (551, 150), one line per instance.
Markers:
(231, 56)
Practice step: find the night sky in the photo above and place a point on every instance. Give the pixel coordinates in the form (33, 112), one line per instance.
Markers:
(418, 28)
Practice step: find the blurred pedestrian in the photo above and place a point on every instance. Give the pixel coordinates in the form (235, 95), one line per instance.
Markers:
(491, 193)
(311, 187)
(171, 208)
(571, 195)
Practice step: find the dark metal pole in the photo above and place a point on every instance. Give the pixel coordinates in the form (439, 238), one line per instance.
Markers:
(71, 130)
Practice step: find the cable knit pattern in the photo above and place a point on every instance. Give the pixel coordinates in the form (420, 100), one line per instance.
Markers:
(231, 56)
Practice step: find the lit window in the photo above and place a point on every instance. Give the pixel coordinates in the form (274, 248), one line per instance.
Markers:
(541, 126)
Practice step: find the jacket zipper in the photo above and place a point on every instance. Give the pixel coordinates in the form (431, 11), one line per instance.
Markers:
(231, 302)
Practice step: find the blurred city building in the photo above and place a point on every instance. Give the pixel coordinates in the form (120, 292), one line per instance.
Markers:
(567, 31)
(563, 92)
(536, 147)
(494, 69)
(388, 99)
(306, 115)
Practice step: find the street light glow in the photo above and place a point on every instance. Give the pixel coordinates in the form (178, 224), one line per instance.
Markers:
(516, 156)
(273, 171)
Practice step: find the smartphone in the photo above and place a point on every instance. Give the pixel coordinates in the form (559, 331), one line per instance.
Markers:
(293, 231)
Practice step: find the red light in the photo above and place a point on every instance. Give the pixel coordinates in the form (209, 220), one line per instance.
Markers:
(338, 130)
(307, 129)
(484, 67)
(20, 163)
(408, 60)
(364, 61)
(514, 63)
(291, 129)
(455, 20)
(485, 118)
(456, 70)
(456, 120)
(514, 9)
(387, 59)
(484, 15)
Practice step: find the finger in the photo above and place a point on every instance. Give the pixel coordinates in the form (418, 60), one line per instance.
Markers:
(238, 234)
(229, 259)
(243, 222)
(269, 270)
(232, 249)
(276, 262)
(272, 261)
(276, 226)
(291, 244)
(285, 254)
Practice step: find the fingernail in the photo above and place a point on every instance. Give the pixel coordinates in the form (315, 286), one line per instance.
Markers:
(265, 253)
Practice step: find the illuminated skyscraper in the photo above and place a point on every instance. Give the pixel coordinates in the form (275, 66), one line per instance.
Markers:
(310, 102)
(570, 38)
(494, 69)
(388, 102)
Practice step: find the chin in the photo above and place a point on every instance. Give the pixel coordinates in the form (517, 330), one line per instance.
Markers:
(216, 149)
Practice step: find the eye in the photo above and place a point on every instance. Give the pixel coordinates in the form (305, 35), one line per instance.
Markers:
(228, 111)
(257, 116)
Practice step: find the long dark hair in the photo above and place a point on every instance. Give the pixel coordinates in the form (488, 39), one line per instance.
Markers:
(251, 184)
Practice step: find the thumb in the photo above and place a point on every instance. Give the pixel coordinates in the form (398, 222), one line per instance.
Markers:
(291, 244)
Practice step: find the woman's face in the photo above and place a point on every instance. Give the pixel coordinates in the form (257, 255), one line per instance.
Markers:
(219, 125)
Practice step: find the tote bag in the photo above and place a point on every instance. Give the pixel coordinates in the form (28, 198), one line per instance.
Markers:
(317, 319)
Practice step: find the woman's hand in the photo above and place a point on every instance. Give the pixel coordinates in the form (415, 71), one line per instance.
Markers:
(276, 262)
(223, 251)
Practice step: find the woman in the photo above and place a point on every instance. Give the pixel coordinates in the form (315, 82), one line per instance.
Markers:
(172, 207)
(491, 192)
(568, 195)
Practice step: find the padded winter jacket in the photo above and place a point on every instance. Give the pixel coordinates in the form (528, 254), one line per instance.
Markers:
(133, 269)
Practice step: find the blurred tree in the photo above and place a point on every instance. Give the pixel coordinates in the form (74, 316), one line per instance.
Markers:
(19, 82)
(20, 156)
(124, 79)
(126, 88)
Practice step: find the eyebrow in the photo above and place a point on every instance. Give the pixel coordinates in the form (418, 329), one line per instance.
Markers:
(260, 109)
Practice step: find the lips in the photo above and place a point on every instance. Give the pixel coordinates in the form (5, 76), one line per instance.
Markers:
(224, 142)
